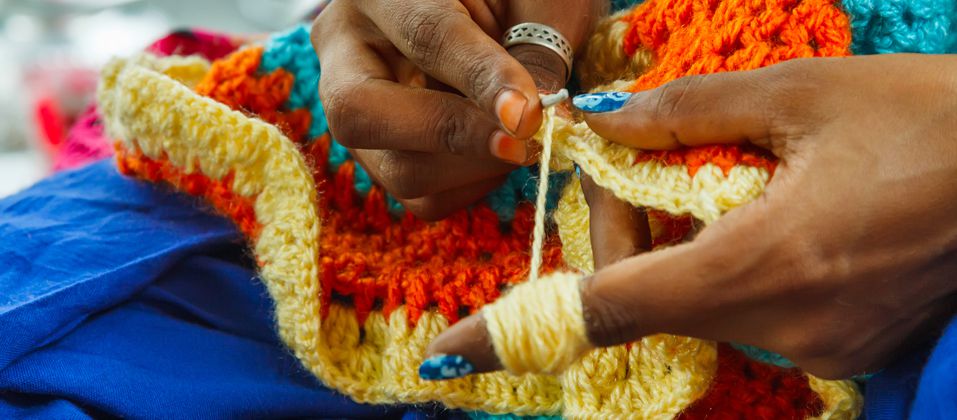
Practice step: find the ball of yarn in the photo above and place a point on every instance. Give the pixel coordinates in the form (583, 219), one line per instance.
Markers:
(539, 326)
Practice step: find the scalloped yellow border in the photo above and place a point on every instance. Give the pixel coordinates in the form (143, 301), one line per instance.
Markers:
(147, 103)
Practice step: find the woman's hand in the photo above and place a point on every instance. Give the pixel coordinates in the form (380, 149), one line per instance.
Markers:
(428, 101)
(848, 258)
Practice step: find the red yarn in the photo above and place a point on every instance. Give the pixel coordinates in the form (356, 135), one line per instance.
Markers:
(746, 389)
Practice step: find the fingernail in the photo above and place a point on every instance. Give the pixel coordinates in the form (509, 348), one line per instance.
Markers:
(445, 366)
(508, 149)
(510, 107)
(601, 102)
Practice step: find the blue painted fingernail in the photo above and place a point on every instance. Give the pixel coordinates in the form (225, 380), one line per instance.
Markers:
(445, 366)
(601, 102)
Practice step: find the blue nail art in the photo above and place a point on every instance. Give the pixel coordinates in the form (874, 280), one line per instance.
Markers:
(445, 367)
(601, 102)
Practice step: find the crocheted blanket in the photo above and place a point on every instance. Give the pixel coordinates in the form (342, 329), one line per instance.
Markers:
(361, 287)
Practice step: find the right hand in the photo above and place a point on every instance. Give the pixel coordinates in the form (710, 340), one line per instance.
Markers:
(427, 100)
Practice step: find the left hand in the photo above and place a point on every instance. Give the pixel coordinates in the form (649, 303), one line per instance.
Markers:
(847, 259)
(428, 101)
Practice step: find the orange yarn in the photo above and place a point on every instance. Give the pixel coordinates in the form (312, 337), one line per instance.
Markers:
(724, 157)
(234, 82)
(689, 37)
(458, 264)
(218, 193)
(692, 37)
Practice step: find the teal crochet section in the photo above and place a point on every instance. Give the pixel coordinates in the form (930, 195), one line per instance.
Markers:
(485, 416)
(292, 51)
(522, 185)
(896, 26)
(763, 356)
(618, 5)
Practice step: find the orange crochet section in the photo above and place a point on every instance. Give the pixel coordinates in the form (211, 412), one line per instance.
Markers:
(724, 157)
(691, 37)
(746, 389)
(218, 193)
(234, 82)
(456, 265)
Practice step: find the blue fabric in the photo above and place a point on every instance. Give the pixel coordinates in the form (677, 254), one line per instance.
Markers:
(119, 298)
(924, 386)
(937, 391)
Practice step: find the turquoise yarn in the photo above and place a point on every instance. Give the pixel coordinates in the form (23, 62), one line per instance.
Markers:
(896, 26)
(338, 155)
(292, 51)
(505, 198)
(362, 181)
(619, 5)
(476, 415)
(522, 185)
(763, 356)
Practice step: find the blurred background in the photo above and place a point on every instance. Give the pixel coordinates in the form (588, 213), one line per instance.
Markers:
(51, 50)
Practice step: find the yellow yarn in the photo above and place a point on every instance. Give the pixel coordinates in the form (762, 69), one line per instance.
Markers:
(572, 218)
(538, 327)
(375, 362)
(706, 195)
(842, 399)
(147, 104)
(604, 61)
(538, 234)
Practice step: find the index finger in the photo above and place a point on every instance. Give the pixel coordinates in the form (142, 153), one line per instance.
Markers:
(443, 40)
(692, 290)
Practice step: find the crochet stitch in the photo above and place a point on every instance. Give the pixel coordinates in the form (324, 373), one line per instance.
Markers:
(361, 287)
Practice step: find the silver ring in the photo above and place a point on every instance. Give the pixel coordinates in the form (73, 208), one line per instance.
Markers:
(542, 35)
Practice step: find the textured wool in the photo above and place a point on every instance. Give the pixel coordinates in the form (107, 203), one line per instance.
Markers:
(361, 287)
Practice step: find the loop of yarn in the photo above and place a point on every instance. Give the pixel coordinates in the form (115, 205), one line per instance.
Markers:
(539, 326)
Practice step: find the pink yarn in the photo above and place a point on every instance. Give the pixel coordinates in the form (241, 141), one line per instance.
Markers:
(85, 142)
(193, 41)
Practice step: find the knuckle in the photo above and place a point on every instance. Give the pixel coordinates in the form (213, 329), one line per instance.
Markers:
(318, 29)
(606, 323)
(338, 105)
(426, 33)
(671, 99)
(480, 75)
(349, 121)
(448, 130)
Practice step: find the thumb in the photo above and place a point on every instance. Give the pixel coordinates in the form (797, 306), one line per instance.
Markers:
(722, 108)
(544, 326)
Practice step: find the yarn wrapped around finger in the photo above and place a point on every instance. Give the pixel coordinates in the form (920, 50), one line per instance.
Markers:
(361, 286)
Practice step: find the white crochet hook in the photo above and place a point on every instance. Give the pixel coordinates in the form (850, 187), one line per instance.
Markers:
(553, 99)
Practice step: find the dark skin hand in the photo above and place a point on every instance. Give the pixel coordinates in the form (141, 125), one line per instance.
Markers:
(427, 100)
(849, 257)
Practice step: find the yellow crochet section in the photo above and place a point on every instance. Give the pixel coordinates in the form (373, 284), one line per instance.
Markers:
(147, 103)
(571, 217)
(706, 195)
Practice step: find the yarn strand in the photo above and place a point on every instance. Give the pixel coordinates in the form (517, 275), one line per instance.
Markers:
(538, 234)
